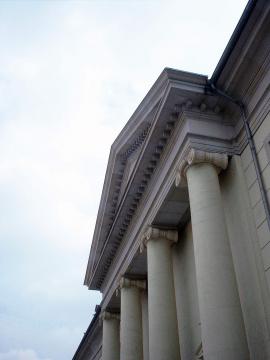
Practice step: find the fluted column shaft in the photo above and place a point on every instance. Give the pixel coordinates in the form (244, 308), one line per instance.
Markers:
(110, 337)
(223, 333)
(163, 329)
(131, 336)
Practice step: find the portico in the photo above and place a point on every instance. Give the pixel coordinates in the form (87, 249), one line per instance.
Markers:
(175, 250)
(176, 183)
(218, 299)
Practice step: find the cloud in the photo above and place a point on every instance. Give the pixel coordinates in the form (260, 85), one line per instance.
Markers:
(21, 355)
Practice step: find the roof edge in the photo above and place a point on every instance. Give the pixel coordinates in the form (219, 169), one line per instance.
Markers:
(233, 40)
(93, 321)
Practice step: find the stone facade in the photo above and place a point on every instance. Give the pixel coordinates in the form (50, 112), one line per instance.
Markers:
(181, 248)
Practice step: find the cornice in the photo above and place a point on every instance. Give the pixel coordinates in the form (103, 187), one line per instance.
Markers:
(138, 124)
(111, 192)
(186, 80)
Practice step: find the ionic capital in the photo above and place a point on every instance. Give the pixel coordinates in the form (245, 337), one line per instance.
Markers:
(125, 283)
(153, 233)
(220, 161)
(106, 315)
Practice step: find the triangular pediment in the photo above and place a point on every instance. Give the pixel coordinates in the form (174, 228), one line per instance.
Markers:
(133, 157)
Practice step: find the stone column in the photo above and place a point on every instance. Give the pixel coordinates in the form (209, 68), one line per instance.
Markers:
(145, 325)
(223, 333)
(110, 337)
(131, 335)
(163, 329)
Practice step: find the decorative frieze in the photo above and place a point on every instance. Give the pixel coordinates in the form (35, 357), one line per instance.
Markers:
(136, 144)
(194, 156)
(121, 217)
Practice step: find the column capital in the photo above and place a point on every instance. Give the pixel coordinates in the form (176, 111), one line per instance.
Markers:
(125, 283)
(220, 161)
(107, 315)
(153, 233)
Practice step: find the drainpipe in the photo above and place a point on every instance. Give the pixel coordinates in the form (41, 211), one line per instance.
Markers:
(211, 86)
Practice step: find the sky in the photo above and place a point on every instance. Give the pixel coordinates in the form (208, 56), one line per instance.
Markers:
(71, 75)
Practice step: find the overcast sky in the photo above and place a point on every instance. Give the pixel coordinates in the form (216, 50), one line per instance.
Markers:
(71, 75)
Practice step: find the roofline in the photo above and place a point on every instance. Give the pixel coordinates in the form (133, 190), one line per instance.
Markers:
(156, 93)
(233, 41)
(94, 319)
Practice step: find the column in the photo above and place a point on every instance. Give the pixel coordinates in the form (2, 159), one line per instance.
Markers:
(163, 329)
(110, 337)
(131, 336)
(145, 325)
(223, 333)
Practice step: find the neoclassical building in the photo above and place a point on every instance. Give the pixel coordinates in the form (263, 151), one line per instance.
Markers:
(181, 247)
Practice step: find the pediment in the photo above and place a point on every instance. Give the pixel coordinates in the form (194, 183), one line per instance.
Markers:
(133, 158)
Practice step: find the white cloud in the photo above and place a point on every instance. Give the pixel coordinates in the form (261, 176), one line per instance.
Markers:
(21, 355)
